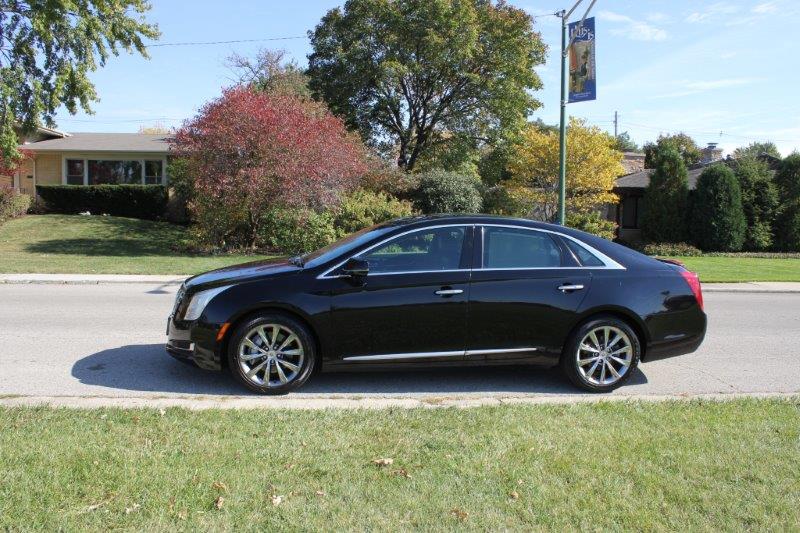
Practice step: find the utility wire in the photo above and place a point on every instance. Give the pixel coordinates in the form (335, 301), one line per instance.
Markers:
(203, 43)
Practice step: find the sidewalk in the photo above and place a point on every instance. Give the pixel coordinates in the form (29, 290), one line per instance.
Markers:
(77, 279)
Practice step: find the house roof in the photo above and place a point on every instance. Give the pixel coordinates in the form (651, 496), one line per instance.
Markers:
(104, 142)
(640, 180)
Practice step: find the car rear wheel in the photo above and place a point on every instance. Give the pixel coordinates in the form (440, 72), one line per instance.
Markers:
(271, 354)
(601, 354)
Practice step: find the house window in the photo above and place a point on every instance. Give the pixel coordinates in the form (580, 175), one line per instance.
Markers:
(75, 171)
(153, 171)
(630, 212)
(114, 172)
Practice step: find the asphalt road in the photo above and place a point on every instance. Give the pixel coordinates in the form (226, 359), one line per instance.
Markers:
(106, 342)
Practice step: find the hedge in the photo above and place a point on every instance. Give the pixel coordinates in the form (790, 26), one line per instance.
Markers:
(134, 201)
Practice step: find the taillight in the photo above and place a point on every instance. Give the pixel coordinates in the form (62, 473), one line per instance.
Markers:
(694, 283)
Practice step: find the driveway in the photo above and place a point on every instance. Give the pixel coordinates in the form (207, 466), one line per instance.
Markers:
(103, 345)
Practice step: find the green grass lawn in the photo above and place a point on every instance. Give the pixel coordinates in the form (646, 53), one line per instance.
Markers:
(674, 466)
(100, 245)
(737, 269)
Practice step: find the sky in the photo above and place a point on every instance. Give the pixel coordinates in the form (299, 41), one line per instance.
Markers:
(722, 71)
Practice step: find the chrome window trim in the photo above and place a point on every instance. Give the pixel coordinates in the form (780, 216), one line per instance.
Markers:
(424, 355)
(608, 263)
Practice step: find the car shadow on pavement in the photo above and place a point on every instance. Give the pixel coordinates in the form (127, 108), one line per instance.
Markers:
(147, 368)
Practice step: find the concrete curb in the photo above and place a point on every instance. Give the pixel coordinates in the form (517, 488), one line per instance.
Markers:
(316, 403)
(762, 287)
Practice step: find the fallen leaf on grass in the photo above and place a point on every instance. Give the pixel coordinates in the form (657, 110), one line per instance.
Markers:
(458, 513)
(514, 495)
(134, 507)
(320, 493)
(276, 500)
(383, 462)
(218, 503)
(162, 411)
(219, 486)
(402, 472)
(182, 514)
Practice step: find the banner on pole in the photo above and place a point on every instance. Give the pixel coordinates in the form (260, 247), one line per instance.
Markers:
(582, 79)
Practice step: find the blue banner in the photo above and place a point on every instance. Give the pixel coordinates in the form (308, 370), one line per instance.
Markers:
(582, 75)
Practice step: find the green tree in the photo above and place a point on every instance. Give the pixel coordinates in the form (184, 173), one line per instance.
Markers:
(787, 225)
(685, 145)
(411, 74)
(759, 201)
(48, 48)
(624, 143)
(448, 192)
(717, 221)
(665, 199)
(756, 149)
(269, 71)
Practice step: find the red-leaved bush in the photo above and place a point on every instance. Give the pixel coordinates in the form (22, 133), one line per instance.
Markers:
(248, 152)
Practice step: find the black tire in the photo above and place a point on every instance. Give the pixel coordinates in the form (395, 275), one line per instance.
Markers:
(306, 341)
(569, 358)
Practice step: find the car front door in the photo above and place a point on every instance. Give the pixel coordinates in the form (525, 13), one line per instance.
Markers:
(525, 289)
(412, 304)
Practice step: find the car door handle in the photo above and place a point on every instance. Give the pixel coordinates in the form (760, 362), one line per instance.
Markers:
(448, 292)
(565, 288)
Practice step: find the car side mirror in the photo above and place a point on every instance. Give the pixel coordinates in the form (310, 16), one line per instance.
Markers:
(356, 268)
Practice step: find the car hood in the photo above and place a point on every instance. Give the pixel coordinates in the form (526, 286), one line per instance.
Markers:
(243, 272)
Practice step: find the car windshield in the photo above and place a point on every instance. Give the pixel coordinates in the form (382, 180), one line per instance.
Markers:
(343, 246)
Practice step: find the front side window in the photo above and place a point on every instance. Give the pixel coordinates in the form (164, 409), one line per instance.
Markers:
(519, 248)
(75, 171)
(425, 250)
(114, 172)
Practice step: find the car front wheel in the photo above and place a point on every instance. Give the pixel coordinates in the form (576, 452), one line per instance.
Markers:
(601, 354)
(271, 354)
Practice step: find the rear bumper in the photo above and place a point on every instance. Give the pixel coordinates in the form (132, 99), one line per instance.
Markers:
(675, 347)
(194, 342)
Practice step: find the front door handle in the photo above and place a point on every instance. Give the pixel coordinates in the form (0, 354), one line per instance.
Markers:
(565, 288)
(448, 292)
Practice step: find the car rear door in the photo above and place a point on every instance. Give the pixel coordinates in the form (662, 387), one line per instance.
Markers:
(525, 290)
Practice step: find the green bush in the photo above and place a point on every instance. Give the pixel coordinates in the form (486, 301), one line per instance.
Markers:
(787, 227)
(295, 231)
(717, 219)
(671, 249)
(134, 201)
(12, 203)
(665, 199)
(363, 208)
(498, 200)
(787, 178)
(759, 202)
(447, 192)
(591, 223)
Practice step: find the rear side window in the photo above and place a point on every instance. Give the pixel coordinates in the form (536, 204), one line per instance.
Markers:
(519, 248)
(586, 257)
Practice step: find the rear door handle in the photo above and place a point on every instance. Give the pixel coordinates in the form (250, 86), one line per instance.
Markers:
(565, 288)
(448, 292)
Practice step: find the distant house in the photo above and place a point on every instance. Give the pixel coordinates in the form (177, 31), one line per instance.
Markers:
(89, 159)
(631, 190)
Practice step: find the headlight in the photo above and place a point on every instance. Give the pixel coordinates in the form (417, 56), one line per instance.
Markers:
(199, 302)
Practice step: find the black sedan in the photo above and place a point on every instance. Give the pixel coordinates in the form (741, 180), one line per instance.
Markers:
(441, 290)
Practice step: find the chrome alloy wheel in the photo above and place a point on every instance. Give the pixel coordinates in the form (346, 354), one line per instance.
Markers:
(271, 355)
(604, 355)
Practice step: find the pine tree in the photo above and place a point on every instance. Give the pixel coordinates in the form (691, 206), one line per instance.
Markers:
(665, 199)
(717, 219)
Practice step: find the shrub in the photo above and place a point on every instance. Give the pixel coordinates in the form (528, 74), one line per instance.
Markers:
(134, 201)
(787, 178)
(592, 223)
(717, 219)
(362, 208)
(295, 231)
(447, 192)
(665, 199)
(787, 227)
(498, 200)
(12, 203)
(671, 248)
(759, 202)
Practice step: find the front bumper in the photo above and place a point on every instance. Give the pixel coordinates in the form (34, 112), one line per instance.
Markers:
(194, 342)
